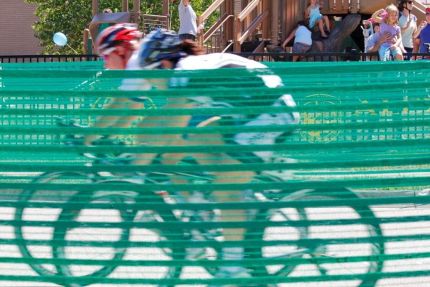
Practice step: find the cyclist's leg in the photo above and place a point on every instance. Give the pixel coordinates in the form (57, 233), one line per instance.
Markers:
(174, 139)
(223, 196)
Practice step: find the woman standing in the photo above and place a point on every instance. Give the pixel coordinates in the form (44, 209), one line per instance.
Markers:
(408, 25)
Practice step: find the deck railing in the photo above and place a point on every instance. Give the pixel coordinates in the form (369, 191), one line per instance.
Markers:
(266, 57)
(47, 58)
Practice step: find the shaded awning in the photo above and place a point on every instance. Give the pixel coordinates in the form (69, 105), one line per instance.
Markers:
(119, 17)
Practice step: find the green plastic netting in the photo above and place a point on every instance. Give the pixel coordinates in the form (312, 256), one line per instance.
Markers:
(164, 195)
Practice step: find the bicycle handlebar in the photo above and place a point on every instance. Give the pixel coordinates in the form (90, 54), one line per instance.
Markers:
(104, 158)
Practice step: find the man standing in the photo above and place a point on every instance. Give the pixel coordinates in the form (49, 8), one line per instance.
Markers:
(423, 33)
(374, 41)
(187, 21)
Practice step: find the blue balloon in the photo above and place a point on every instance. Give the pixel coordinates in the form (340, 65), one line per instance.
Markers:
(60, 39)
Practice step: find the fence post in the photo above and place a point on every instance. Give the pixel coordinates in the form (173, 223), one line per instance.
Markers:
(125, 5)
(353, 6)
(88, 42)
(95, 7)
(275, 22)
(200, 33)
(237, 27)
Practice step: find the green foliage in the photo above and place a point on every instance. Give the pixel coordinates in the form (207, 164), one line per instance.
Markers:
(72, 16)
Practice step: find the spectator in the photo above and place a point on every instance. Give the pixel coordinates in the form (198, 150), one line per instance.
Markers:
(408, 26)
(187, 21)
(423, 33)
(388, 19)
(103, 26)
(375, 41)
(314, 16)
(369, 31)
(302, 39)
(371, 35)
(116, 45)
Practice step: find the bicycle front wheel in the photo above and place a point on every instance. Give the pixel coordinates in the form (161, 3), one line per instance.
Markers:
(111, 229)
(36, 216)
(321, 238)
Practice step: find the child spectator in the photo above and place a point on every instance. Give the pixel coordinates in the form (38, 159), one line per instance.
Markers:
(388, 19)
(302, 39)
(368, 32)
(314, 16)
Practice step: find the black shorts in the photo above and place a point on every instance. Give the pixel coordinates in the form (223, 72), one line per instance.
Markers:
(187, 37)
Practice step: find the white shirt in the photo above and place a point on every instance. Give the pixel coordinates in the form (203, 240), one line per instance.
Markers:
(303, 35)
(187, 19)
(224, 60)
(407, 35)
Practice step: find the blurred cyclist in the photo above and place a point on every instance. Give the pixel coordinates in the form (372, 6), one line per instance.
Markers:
(116, 45)
(162, 49)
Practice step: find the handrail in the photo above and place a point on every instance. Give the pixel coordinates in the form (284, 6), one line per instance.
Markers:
(419, 10)
(216, 26)
(336, 56)
(228, 47)
(259, 48)
(210, 9)
(248, 9)
(253, 26)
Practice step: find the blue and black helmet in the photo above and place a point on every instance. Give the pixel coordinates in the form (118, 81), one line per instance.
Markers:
(160, 45)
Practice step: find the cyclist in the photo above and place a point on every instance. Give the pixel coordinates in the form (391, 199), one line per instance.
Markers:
(163, 49)
(116, 45)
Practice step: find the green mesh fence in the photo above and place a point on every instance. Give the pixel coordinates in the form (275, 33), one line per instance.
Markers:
(166, 190)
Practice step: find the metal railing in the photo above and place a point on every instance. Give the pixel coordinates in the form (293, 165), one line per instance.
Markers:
(322, 57)
(311, 57)
(47, 58)
(267, 57)
(151, 22)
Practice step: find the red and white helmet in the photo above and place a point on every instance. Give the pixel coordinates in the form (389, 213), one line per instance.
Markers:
(123, 34)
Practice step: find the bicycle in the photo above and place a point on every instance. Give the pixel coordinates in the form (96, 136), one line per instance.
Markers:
(72, 214)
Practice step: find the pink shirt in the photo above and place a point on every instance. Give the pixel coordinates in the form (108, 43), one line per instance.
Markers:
(392, 30)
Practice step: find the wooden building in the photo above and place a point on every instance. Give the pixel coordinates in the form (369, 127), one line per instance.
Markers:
(255, 23)
(16, 33)
(268, 20)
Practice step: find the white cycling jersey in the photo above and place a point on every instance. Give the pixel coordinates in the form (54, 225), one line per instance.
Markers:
(224, 60)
